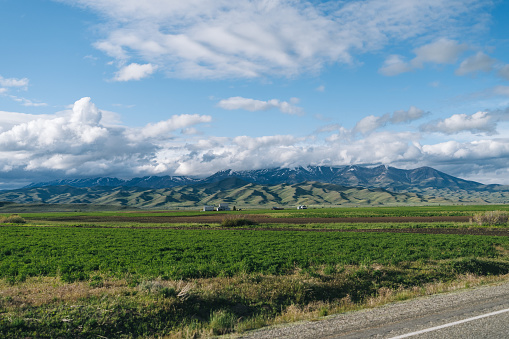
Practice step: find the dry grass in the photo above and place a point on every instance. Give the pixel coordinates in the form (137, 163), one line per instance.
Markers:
(47, 290)
(12, 219)
(491, 218)
(247, 289)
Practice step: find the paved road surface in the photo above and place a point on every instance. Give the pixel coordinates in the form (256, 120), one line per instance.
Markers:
(476, 313)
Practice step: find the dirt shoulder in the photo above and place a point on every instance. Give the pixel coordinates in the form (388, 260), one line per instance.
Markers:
(216, 219)
(205, 220)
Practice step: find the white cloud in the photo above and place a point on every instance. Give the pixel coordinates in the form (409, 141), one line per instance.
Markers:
(476, 63)
(176, 122)
(13, 82)
(480, 122)
(504, 72)
(470, 151)
(372, 122)
(85, 112)
(442, 51)
(394, 65)
(134, 71)
(7, 83)
(78, 143)
(254, 105)
(412, 114)
(501, 90)
(55, 134)
(329, 128)
(320, 88)
(220, 39)
(27, 102)
(9, 119)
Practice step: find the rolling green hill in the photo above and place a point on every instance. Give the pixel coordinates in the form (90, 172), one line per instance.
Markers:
(230, 190)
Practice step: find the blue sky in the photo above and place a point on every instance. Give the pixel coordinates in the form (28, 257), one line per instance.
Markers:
(129, 88)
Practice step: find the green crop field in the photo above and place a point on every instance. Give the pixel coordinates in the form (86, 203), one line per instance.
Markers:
(108, 279)
(342, 212)
(78, 253)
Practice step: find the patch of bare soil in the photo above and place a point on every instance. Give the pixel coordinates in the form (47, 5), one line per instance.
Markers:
(263, 219)
(214, 219)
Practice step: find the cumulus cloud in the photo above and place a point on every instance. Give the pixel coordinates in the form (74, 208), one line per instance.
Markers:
(134, 71)
(475, 150)
(442, 51)
(480, 122)
(218, 39)
(394, 65)
(254, 105)
(476, 63)
(176, 122)
(372, 122)
(412, 114)
(10, 119)
(78, 143)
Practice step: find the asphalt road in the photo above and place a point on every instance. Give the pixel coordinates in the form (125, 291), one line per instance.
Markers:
(475, 313)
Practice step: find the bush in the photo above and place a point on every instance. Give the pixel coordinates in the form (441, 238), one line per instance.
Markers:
(235, 222)
(12, 219)
(491, 218)
(222, 322)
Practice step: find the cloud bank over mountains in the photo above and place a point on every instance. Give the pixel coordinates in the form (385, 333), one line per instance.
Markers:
(81, 142)
(403, 83)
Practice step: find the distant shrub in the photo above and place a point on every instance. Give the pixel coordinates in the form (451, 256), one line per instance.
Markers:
(151, 286)
(222, 322)
(491, 218)
(235, 222)
(12, 219)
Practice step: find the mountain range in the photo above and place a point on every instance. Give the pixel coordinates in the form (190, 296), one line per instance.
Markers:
(312, 185)
(381, 177)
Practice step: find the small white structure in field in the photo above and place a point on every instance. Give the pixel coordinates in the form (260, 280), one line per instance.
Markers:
(223, 207)
(207, 208)
(302, 207)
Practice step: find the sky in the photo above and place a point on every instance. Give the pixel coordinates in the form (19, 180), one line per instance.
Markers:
(127, 88)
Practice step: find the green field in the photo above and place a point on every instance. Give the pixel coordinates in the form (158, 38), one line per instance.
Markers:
(78, 253)
(347, 212)
(115, 281)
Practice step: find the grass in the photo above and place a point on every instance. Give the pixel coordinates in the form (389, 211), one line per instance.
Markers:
(12, 219)
(76, 254)
(185, 283)
(330, 212)
(491, 218)
(47, 307)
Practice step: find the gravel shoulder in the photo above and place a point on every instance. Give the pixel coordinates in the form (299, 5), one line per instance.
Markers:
(396, 318)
